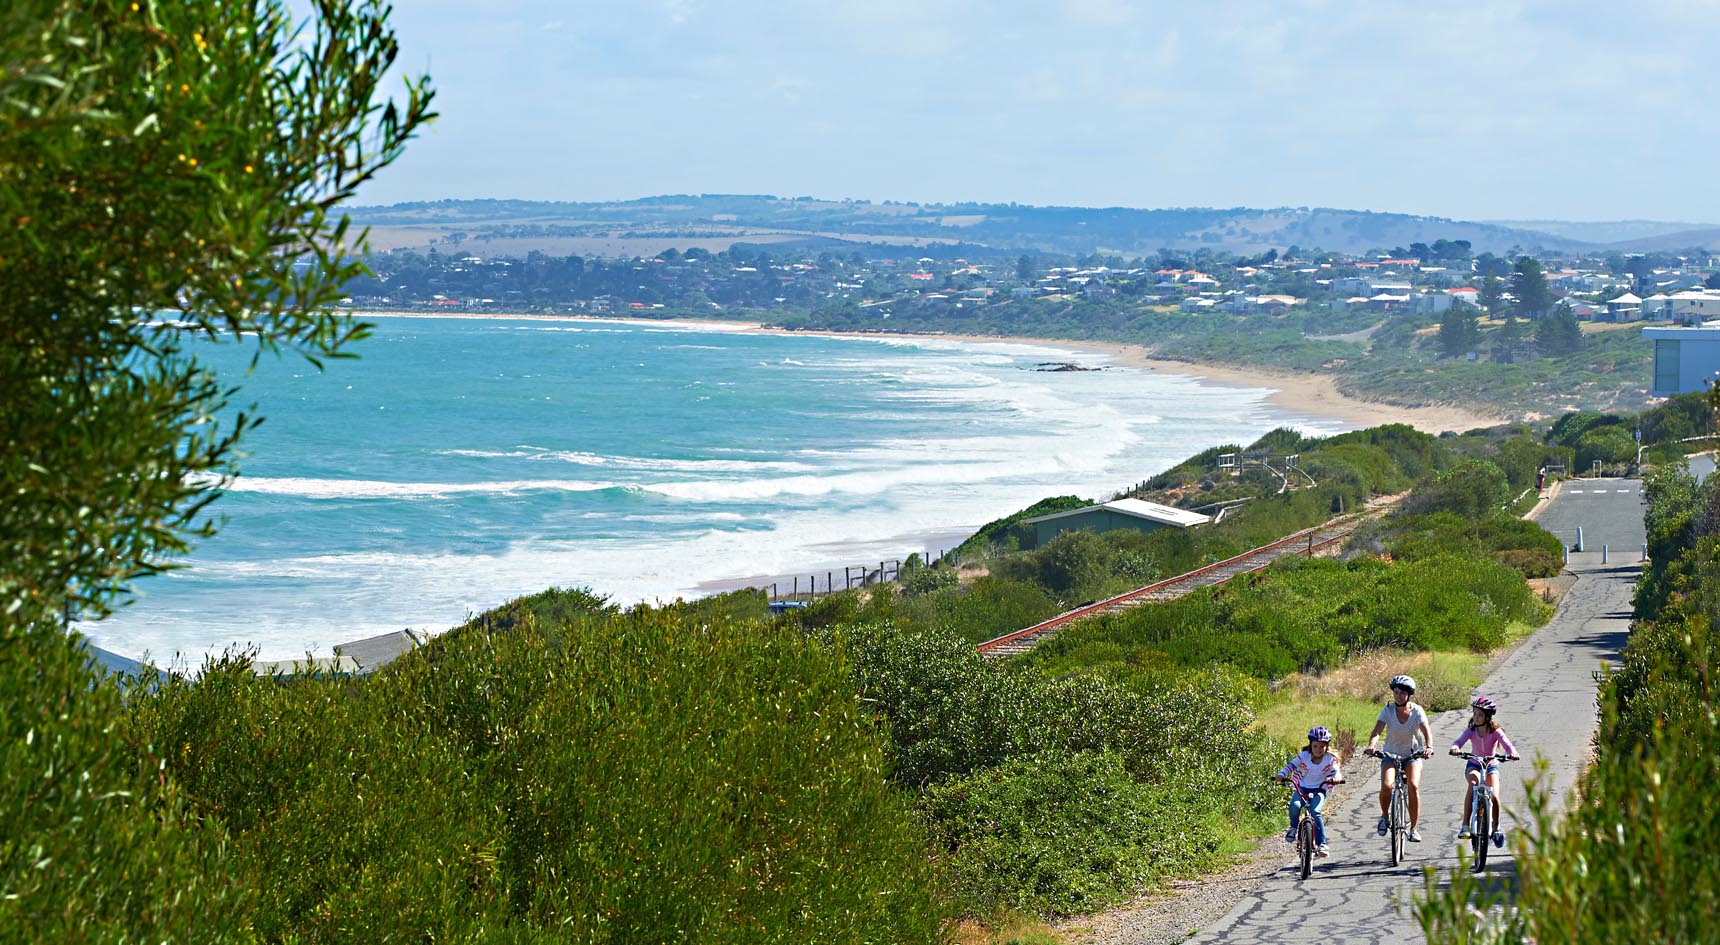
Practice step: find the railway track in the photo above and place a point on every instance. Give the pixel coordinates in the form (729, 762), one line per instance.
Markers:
(1308, 542)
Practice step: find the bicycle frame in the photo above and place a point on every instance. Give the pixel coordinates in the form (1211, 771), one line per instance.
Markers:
(1305, 825)
(1397, 818)
(1481, 825)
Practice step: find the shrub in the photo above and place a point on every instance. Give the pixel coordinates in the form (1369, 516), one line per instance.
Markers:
(1474, 489)
(647, 776)
(987, 608)
(924, 580)
(1605, 444)
(1534, 563)
(1061, 833)
(94, 847)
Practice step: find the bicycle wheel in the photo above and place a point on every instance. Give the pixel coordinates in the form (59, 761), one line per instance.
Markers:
(1305, 845)
(1483, 829)
(1399, 820)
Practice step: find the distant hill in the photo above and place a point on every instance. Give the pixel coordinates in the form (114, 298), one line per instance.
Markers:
(1606, 231)
(1707, 238)
(633, 227)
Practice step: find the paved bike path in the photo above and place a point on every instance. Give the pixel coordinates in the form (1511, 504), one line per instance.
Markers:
(1546, 690)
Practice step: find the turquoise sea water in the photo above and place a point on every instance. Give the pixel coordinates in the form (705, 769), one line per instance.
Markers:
(461, 462)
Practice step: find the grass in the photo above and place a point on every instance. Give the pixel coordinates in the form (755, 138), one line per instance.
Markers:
(1349, 697)
(1006, 927)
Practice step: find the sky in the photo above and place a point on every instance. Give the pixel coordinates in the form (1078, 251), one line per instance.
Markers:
(1473, 110)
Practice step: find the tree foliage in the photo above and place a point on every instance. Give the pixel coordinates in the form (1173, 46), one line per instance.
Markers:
(1459, 331)
(1558, 334)
(170, 171)
(1529, 285)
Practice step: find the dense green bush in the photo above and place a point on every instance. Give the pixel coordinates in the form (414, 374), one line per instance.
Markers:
(1305, 615)
(1517, 543)
(986, 608)
(924, 580)
(95, 846)
(1604, 444)
(646, 776)
(1062, 833)
(1475, 488)
(962, 728)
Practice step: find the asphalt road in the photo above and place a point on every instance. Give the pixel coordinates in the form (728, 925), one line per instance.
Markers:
(1546, 691)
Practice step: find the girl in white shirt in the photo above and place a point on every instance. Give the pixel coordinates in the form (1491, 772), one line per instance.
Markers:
(1313, 770)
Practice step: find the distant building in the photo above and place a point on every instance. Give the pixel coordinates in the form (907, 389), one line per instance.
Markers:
(1136, 514)
(1684, 358)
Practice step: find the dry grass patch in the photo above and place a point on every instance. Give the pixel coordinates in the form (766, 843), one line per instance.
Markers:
(1005, 928)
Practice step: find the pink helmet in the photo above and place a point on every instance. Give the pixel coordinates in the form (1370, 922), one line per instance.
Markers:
(1485, 704)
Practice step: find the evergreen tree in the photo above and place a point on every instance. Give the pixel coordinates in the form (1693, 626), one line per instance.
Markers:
(1459, 331)
(1558, 334)
(1529, 285)
(1508, 340)
(1492, 293)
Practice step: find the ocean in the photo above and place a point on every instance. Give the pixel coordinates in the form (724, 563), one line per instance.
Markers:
(462, 462)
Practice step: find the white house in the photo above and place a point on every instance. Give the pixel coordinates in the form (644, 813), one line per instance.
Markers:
(1684, 358)
(1431, 303)
(1625, 308)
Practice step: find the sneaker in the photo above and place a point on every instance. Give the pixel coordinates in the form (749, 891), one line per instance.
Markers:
(1498, 838)
(1290, 835)
(1322, 851)
(1414, 835)
(1384, 826)
(1465, 833)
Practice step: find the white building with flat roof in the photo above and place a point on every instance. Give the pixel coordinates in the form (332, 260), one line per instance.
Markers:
(1685, 359)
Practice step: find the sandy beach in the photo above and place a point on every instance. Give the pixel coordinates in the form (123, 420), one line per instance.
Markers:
(1305, 393)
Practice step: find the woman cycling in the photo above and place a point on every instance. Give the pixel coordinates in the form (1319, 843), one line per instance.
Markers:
(1407, 736)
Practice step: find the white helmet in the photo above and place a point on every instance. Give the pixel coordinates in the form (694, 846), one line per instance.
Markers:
(1404, 682)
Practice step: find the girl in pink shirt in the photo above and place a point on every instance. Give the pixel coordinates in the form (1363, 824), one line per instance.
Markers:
(1486, 739)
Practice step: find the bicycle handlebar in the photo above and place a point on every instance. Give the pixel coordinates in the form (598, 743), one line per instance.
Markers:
(1471, 756)
(1388, 756)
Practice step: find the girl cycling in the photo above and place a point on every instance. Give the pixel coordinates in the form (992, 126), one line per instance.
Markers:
(1486, 739)
(1407, 735)
(1313, 769)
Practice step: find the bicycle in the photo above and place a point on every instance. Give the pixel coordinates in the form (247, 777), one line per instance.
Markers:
(1305, 846)
(1397, 818)
(1481, 810)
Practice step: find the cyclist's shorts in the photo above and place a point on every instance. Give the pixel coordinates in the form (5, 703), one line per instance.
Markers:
(1476, 764)
(1412, 762)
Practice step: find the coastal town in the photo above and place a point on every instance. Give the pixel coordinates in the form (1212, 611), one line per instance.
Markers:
(1421, 280)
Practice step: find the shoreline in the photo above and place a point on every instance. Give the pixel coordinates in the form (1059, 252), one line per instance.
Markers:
(1310, 394)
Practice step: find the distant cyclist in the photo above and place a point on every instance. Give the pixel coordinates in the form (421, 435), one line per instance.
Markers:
(1314, 770)
(1486, 739)
(1407, 735)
